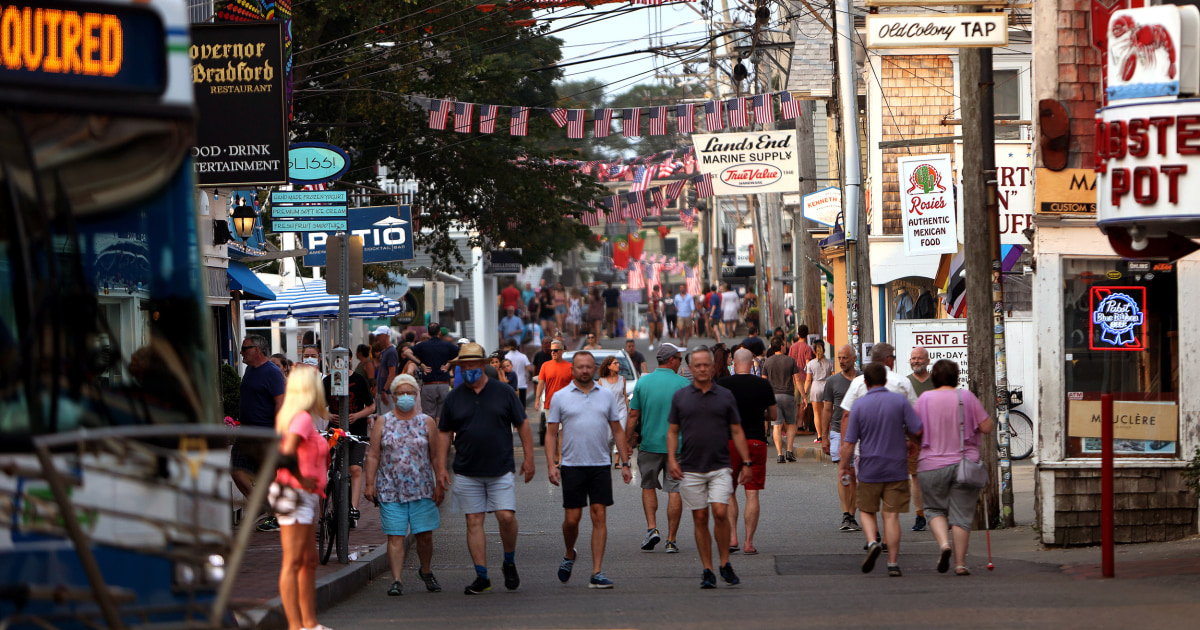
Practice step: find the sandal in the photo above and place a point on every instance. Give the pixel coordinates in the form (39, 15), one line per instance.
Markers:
(943, 564)
(961, 570)
(354, 515)
(396, 589)
(750, 551)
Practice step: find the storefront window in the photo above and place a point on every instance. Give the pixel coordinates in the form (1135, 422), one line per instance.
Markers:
(1120, 336)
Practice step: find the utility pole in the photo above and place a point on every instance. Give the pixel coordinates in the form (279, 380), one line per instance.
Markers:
(805, 251)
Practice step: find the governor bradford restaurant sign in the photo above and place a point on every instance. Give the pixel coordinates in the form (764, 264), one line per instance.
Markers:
(237, 78)
(747, 163)
(927, 205)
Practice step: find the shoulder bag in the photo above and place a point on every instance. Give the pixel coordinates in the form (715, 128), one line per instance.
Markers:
(970, 473)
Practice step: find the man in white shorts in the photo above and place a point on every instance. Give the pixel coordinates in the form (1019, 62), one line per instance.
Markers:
(706, 416)
(483, 460)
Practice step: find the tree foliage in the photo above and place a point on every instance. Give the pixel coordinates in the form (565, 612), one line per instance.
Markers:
(363, 72)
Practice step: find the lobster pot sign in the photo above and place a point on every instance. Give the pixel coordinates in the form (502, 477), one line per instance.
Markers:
(1147, 55)
(927, 205)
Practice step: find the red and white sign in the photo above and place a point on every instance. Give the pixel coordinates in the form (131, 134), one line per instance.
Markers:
(927, 205)
(823, 206)
(1143, 53)
(742, 163)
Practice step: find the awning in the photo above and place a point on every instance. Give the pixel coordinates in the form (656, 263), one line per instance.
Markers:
(888, 263)
(244, 280)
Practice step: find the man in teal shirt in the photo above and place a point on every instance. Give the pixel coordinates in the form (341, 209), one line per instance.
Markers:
(648, 410)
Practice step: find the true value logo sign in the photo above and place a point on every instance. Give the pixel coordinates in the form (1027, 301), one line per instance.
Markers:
(741, 163)
(927, 204)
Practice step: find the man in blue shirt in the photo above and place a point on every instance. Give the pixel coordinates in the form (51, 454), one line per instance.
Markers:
(511, 326)
(434, 354)
(878, 422)
(262, 391)
(685, 306)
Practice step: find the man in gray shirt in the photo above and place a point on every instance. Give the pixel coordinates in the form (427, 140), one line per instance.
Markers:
(836, 387)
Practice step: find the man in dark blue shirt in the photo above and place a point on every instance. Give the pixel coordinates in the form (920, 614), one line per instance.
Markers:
(262, 391)
(434, 355)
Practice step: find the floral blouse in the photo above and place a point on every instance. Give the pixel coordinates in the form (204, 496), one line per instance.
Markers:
(405, 471)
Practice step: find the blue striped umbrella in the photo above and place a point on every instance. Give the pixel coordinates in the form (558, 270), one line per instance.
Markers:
(310, 301)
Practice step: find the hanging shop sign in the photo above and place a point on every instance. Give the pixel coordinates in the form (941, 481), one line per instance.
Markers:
(1014, 190)
(823, 206)
(316, 163)
(386, 232)
(237, 78)
(927, 205)
(1069, 192)
(1152, 53)
(1151, 421)
(502, 261)
(747, 163)
(408, 310)
(956, 30)
(1118, 318)
(743, 239)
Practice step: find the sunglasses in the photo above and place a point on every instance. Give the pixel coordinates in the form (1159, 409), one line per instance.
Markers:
(245, 348)
(553, 350)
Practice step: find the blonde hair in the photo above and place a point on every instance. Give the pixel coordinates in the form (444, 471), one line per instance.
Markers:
(304, 393)
(404, 379)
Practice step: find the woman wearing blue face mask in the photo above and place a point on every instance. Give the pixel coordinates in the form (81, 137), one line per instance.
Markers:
(400, 479)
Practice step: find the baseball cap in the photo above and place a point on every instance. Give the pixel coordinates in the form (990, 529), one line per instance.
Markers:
(464, 340)
(666, 351)
(383, 330)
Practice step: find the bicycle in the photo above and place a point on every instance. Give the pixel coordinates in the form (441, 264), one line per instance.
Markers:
(334, 520)
(1020, 428)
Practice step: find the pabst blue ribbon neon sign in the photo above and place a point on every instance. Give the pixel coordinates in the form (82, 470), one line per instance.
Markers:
(1119, 313)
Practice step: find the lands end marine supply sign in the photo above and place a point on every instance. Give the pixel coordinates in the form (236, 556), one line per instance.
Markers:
(237, 75)
(747, 163)
(927, 205)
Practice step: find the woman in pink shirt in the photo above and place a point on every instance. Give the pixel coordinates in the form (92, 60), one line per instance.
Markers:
(296, 492)
(949, 504)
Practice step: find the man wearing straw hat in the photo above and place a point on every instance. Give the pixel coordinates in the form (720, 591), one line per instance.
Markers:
(479, 417)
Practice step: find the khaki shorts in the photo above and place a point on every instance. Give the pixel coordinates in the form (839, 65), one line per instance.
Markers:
(894, 495)
(699, 489)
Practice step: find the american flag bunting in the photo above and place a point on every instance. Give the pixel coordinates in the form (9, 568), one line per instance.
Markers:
(642, 177)
(575, 120)
(789, 107)
(737, 112)
(636, 279)
(591, 218)
(439, 110)
(673, 190)
(656, 201)
(704, 185)
(487, 118)
(658, 121)
(559, 115)
(685, 117)
(764, 108)
(688, 217)
(714, 118)
(631, 122)
(637, 204)
(462, 117)
(692, 280)
(519, 123)
(602, 125)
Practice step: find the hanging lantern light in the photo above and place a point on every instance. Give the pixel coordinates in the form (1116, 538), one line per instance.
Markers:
(243, 221)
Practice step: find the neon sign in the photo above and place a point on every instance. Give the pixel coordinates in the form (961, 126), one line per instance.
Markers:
(1118, 318)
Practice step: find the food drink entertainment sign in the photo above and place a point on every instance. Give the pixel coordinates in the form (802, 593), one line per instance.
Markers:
(237, 76)
(927, 205)
(963, 30)
(747, 163)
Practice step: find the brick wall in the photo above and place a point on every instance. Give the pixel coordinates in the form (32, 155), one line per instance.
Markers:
(1152, 505)
(918, 92)
(1079, 85)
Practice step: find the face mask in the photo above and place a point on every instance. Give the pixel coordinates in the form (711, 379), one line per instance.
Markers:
(405, 402)
(310, 361)
(472, 375)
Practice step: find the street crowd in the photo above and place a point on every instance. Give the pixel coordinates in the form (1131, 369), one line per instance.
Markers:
(700, 423)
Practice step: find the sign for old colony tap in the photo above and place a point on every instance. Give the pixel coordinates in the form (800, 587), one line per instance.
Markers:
(747, 163)
(237, 76)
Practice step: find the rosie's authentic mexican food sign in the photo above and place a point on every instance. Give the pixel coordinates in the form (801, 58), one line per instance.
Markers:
(746, 163)
(237, 76)
(927, 205)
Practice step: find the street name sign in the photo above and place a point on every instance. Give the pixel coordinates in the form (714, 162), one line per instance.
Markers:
(960, 30)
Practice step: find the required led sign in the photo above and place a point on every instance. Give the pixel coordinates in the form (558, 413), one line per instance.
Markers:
(73, 45)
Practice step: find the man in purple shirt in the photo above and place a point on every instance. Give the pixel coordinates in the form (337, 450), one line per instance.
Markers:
(878, 423)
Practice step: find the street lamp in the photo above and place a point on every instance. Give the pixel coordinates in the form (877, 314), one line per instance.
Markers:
(243, 219)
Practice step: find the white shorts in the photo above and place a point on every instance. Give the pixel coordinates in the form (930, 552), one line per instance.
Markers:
(476, 495)
(699, 489)
(293, 506)
(835, 444)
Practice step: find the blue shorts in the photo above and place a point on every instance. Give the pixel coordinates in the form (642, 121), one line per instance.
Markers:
(399, 519)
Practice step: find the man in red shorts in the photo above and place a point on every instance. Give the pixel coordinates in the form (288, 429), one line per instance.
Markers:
(756, 406)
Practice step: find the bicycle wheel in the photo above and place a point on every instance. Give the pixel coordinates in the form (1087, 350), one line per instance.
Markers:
(325, 531)
(1020, 435)
(341, 503)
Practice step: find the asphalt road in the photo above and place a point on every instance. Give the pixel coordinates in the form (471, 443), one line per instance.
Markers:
(806, 575)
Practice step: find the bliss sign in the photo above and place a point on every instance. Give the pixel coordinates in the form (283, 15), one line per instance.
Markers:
(1118, 318)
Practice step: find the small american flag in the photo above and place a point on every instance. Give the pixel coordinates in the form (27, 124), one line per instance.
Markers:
(462, 117)
(714, 117)
(602, 124)
(631, 122)
(655, 274)
(559, 115)
(789, 107)
(617, 170)
(613, 204)
(658, 121)
(692, 279)
(673, 190)
(575, 120)
(656, 200)
(704, 185)
(688, 217)
(737, 112)
(685, 116)
(764, 108)
(519, 124)
(591, 218)
(487, 118)
(636, 279)
(637, 204)
(642, 177)
(439, 110)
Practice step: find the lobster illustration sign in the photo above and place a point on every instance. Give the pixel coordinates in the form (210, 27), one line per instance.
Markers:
(927, 205)
(1144, 53)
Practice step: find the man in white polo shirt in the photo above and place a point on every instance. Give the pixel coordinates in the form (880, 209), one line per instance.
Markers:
(588, 415)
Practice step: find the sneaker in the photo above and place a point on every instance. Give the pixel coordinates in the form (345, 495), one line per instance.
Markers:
(894, 570)
(854, 526)
(919, 525)
(791, 457)
(817, 441)
(512, 581)
(431, 583)
(728, 575)
(650, 540)
(672, 547)
(269, 524)
(396, 590)
(873, 551)
(600, 581)
(781, 459)
(847, 523)
(564, 570)
(708, 580)
(480, 585)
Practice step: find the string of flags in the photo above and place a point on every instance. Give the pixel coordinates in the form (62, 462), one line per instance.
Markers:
(742, 112)
(639, 204)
